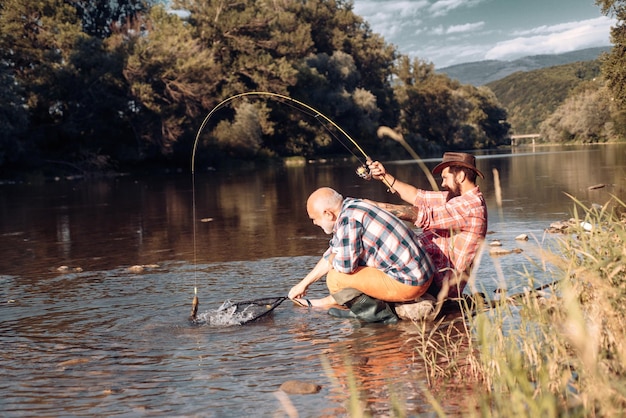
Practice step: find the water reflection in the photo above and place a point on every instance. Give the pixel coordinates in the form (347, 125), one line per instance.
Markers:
(101, 339)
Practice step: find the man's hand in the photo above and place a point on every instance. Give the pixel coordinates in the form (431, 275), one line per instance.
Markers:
(377, 170)
(297, 292)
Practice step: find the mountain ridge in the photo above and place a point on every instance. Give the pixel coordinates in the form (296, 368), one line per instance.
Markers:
(479, 73)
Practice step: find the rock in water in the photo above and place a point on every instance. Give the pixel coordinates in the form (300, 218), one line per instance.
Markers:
(298, 387)
(419, 310)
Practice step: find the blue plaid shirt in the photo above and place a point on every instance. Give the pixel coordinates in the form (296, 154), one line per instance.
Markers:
(366, 235)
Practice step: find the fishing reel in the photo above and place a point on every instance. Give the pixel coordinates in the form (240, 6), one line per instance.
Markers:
(364, 172)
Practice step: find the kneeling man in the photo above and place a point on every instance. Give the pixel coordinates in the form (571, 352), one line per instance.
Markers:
(373, 258)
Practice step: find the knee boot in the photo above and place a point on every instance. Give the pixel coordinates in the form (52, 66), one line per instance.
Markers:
(367, 309)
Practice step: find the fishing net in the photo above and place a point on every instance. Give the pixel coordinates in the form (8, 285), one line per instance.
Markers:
(240, 313)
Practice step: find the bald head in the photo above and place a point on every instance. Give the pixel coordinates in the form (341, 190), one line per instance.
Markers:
(323, 207)
(323, 199)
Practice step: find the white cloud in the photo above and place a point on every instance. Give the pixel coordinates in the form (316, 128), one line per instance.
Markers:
(443, 7)
(554, 39)
(444, 56)
(389, 18)
(377, 11)
(438, 30)
(467, 27)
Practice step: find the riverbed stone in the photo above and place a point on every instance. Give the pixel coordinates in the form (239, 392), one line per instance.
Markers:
(522, 237)
(497, 251)
(299, 387)
(418, 310)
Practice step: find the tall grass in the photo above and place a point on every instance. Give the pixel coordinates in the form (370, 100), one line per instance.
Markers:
(566, 353)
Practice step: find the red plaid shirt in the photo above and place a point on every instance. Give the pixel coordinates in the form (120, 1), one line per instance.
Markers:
(453, 230)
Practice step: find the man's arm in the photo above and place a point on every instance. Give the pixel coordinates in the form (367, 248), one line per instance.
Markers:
(321, 268)
(404, 212)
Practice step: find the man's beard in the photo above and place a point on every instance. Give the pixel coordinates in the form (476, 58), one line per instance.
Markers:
(454, 191)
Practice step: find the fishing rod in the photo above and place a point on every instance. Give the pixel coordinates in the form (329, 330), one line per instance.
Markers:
(386, 131)
(362, 171)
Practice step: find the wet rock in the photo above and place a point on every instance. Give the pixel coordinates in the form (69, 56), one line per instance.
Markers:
(522, 237)
(298, 387)
(503, 251)
(67, 269)
(596, 186)
(141, 268)
(111, 391)
(571, 225)
(135, 269)
(416, 311)
(495, 243)
(558, 227)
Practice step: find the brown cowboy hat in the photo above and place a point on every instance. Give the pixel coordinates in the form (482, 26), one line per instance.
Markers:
(457, 159)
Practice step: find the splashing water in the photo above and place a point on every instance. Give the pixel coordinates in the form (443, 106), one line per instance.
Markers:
(230, 313)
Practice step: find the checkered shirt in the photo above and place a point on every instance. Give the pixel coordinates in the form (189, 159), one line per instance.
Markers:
(365, 235)
(453, 230)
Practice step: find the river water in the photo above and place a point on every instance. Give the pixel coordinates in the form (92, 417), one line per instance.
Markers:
(97, 277)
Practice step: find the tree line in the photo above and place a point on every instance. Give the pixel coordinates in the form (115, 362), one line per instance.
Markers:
(98, 85)
(110, 85)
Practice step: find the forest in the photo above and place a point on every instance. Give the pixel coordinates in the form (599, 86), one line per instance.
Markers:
(91, 86)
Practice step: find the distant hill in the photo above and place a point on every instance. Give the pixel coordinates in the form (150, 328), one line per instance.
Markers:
(483, 72)
(532, 96)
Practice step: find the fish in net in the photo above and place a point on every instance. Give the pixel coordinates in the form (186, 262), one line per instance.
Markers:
(236, 313)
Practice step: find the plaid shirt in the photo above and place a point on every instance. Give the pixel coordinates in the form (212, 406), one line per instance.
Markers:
(453, 230)
(365, 235)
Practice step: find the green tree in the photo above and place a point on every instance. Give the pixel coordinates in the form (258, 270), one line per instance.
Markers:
(255, 42)
(439, 113)
(37, 39)
(614, 63)
(244, 136)
(486, 117)
(584, 116)
(318, 52)
(72, 86)
(171, 77)
(101, 18)
(531, 97)
(13, 117)
(250, 46)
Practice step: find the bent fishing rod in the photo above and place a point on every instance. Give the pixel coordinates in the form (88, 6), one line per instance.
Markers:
(362, 171)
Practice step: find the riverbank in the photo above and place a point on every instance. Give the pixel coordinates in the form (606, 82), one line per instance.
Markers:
(559, 351)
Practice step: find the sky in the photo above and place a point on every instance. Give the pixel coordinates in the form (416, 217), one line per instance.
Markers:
(449, 32)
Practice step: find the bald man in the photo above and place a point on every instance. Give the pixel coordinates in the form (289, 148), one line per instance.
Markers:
(371, 252)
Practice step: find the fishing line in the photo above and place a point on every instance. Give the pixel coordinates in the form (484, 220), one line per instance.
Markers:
(362, 171)
(330, 132)
(316, 114)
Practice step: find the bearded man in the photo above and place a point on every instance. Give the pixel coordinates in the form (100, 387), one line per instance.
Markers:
(453, 221)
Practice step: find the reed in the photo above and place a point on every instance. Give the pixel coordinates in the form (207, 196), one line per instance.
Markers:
(561, 351)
